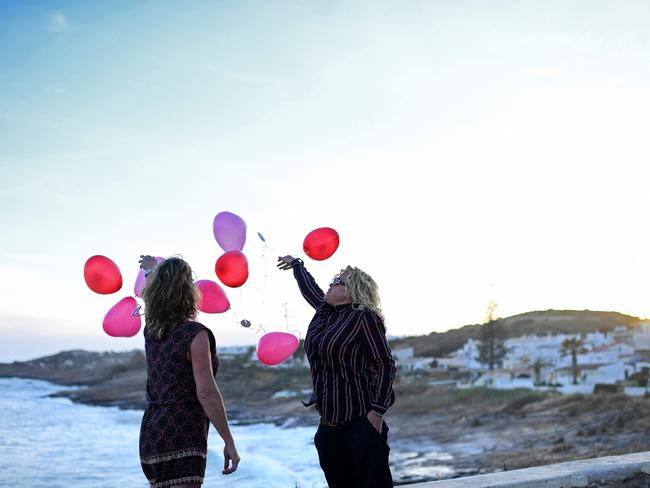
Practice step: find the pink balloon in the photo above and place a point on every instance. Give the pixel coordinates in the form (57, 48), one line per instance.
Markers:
(229, 231)
(213, 298)
(120, 321)
(140, 280)
(276, 347)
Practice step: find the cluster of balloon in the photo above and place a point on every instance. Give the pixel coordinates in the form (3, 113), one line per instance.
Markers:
(230, 232)
(103, 276)
(321, 243)
(213, 298)
(276, 347)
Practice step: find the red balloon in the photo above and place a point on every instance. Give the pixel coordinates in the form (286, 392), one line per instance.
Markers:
(213, 298)
(321, 243)
(102, 275)
(232, 269)
(122, 319)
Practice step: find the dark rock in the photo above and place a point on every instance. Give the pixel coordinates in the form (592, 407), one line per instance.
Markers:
(561, 447)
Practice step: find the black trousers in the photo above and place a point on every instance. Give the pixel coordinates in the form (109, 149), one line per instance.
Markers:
(354, 454)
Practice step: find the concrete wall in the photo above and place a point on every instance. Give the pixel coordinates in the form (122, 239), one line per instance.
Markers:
(631, 470)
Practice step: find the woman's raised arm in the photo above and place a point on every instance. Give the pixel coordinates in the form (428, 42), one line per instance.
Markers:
(306, 282)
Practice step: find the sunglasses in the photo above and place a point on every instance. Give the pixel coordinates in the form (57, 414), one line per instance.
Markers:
(337, 281)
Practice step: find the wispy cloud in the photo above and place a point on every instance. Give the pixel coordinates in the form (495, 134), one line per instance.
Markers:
(58, 23)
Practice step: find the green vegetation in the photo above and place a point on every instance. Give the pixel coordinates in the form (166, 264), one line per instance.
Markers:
(419, 396)
(492, 344)
(573, 347)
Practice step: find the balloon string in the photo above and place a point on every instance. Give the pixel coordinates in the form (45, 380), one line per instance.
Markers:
(234, 314)
(265, 249)
(296, 332)
(266, 275)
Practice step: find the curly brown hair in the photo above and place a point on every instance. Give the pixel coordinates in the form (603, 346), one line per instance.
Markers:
(170, 296)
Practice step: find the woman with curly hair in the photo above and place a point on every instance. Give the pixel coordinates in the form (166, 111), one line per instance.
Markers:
(352, 372)
(182, 395)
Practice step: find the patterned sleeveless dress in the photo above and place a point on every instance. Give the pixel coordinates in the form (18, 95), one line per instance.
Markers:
(174, 430)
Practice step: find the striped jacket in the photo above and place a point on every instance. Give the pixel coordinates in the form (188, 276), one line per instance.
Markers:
(351, 364)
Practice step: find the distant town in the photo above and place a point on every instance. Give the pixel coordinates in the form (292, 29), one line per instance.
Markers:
(616, 361)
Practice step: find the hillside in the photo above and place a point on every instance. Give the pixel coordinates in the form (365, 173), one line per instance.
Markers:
(437, 344)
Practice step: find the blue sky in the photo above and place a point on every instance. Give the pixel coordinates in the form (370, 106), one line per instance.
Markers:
(453, 145)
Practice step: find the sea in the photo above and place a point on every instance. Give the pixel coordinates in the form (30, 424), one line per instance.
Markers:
(54, 443)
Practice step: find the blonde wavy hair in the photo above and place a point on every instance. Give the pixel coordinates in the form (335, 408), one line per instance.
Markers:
(170, 296)
(363, 290)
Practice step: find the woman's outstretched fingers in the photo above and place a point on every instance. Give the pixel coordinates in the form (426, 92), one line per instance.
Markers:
(148, 262)
(284, 262)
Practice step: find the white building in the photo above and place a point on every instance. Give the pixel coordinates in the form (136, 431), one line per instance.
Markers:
(406, 360)
(465, 358)
(403, 354)
(641, 336)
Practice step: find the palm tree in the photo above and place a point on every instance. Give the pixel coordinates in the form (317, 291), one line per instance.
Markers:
(573, 346)
(537, 365)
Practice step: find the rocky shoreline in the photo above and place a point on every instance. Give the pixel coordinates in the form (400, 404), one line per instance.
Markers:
(437, 431)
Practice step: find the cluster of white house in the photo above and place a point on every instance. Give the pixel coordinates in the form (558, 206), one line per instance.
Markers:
(620, 357)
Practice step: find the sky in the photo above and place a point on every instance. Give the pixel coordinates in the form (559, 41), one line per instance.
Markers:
(464, 151)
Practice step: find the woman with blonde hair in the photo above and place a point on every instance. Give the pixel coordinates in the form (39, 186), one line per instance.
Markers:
(352, 373)
(182, 395)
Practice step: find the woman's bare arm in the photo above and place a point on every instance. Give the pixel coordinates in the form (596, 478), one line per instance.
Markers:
(210, 397)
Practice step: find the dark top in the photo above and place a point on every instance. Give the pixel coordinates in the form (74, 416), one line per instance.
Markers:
(351, 364)
(174, 430)
(170, 378)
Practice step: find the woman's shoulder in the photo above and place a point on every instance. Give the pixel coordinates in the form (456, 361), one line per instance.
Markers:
(371, 317)
(192, 323)
(191, 326)
(186, 328)
(368, 313)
